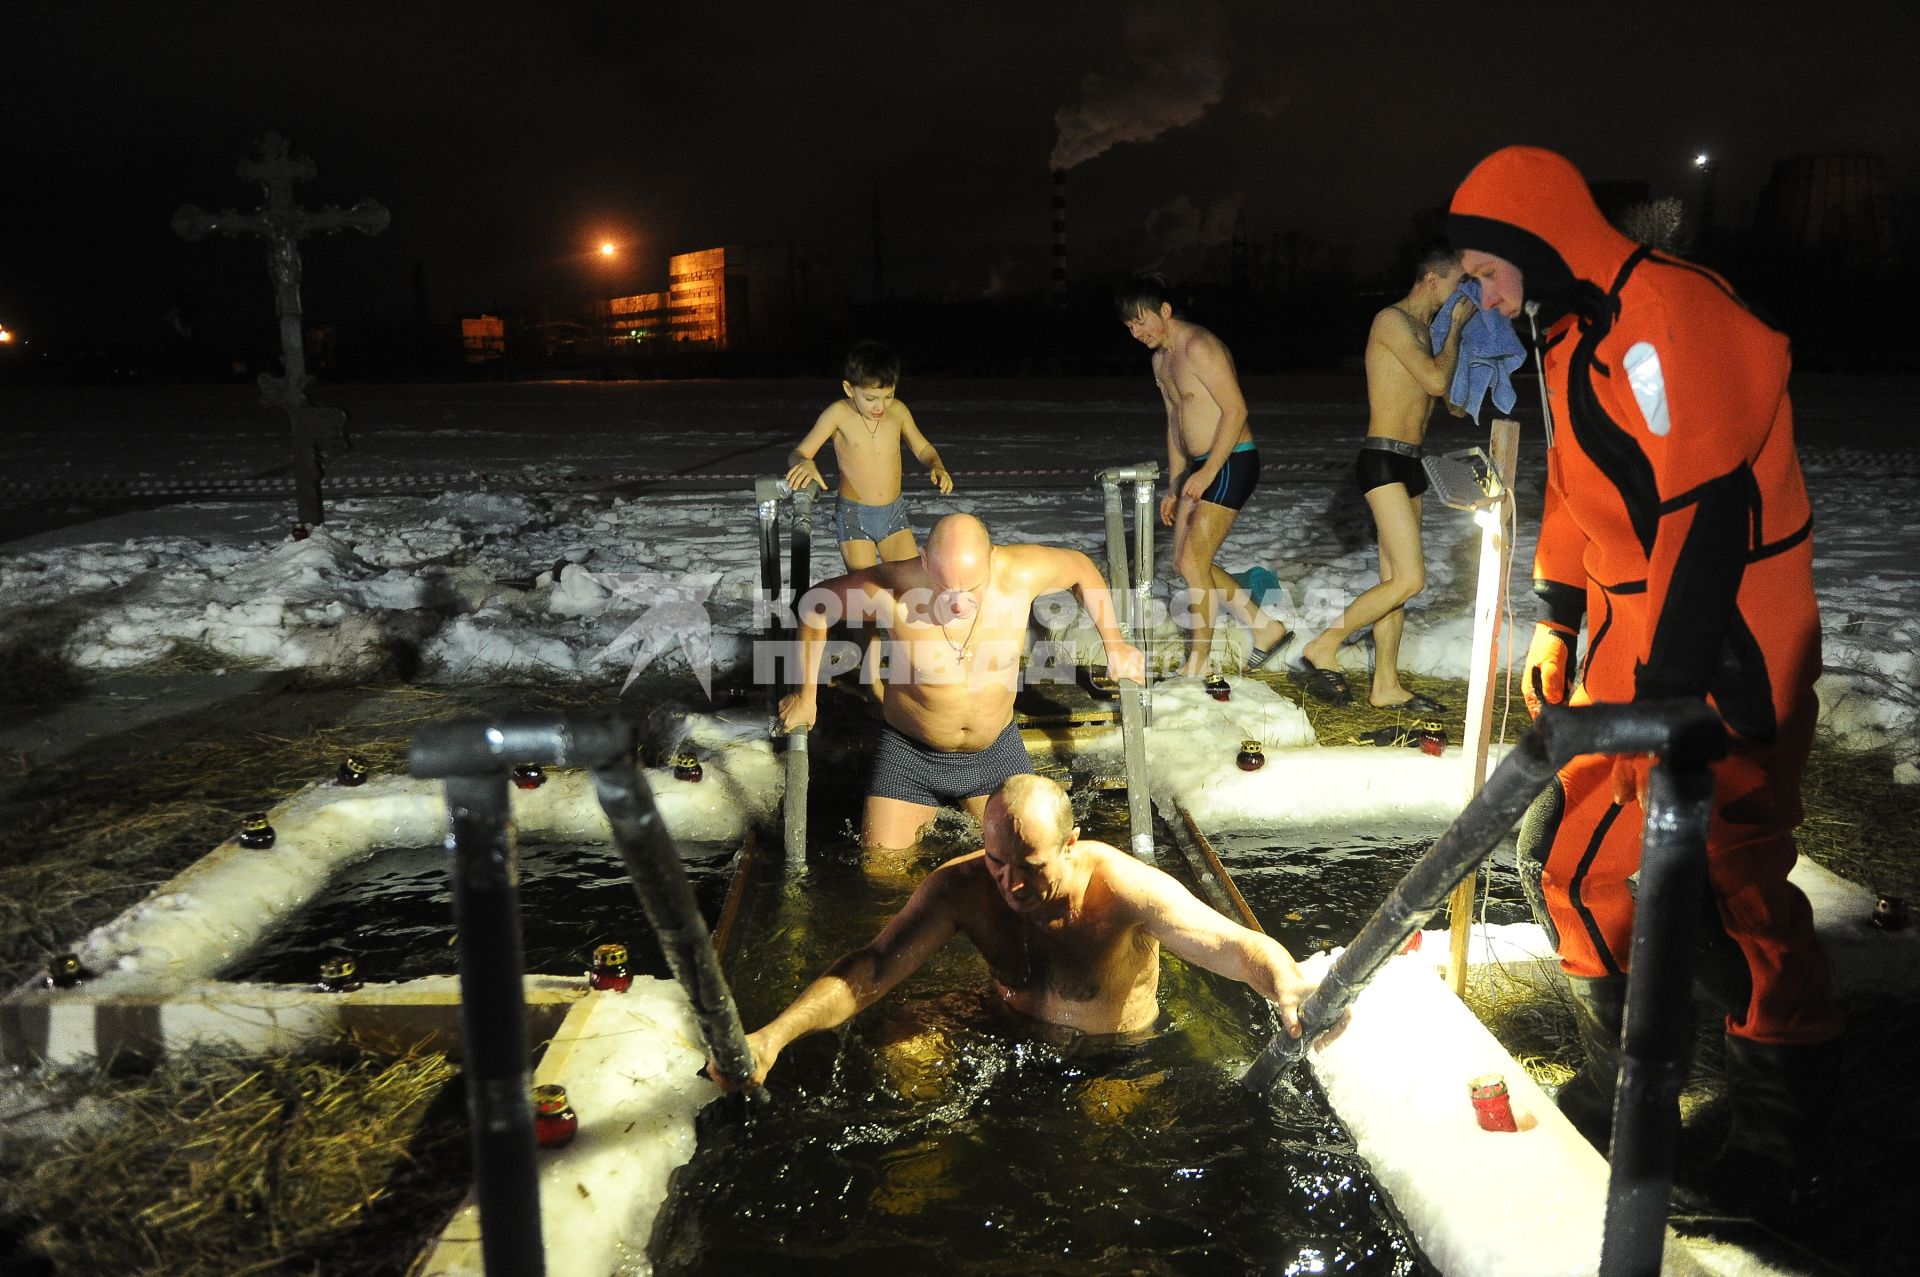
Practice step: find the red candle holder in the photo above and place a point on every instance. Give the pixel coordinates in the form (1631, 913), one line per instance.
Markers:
(1491, 1107)
(609, 970)
(554, 1121)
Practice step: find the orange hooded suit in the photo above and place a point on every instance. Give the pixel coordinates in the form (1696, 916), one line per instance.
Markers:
(1677, 520)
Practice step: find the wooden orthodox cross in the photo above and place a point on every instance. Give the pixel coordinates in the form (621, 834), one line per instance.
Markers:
(283, 224)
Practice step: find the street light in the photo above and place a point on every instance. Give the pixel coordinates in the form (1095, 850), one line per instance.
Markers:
(601, 324)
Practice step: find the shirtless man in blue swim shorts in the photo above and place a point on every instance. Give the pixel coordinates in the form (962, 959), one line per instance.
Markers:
(954, 619)
(1212, 465)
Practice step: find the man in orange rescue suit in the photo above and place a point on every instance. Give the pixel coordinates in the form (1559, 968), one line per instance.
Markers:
(1677, 526)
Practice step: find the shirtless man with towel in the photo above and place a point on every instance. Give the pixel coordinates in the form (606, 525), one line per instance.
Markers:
(1404, 377)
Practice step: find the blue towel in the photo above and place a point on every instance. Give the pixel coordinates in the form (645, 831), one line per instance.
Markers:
(1489, 353)
(1262, 584)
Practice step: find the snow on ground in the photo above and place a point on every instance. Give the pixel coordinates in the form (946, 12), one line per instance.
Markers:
(461, 586)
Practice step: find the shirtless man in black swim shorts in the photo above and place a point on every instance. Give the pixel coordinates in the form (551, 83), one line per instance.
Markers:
(1404, 377)
(1212, 465)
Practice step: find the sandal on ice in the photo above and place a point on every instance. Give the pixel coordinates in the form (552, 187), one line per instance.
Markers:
(1325, 685)
(1258, 657)
(1417, 706)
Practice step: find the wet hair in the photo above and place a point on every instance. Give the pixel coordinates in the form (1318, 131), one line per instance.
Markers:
(1037, 809)
(1143, 293)
(872, 366)
(1437, 260)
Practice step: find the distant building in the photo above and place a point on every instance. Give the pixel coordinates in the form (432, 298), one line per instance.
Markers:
(483, 339)
(1836, 205)
(757, 298)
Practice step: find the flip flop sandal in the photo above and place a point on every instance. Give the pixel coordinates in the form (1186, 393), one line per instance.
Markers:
(1416, 705)
(1259, 656)
(1328, 686)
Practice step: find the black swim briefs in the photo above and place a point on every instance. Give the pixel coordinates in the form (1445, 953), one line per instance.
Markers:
(1384, 461)
(905, 769)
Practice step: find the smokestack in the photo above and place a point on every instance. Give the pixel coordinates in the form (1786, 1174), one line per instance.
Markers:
(1057, 287)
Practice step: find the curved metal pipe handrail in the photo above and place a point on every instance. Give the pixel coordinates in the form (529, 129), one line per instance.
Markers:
(472, 757)
(1687, 737)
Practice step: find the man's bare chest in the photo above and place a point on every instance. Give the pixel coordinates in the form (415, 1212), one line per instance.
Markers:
(1081, 964)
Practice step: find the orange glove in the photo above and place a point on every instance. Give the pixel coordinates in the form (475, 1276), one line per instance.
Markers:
(1543, 681)
(1630, 772)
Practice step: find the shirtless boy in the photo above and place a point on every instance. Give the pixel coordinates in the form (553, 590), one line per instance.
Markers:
(1404, 377)
(867, 429)
(1070, 932)
(1212, 464)
(954, 619)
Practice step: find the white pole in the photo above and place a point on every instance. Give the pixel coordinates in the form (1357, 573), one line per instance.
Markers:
(1489, 594)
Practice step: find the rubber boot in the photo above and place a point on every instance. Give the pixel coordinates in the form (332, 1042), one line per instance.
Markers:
(1531, 843)
(1774, 1164)
(1599, 1007)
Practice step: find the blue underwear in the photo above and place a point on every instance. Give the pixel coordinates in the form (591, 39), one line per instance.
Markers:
(911, 772)
(855, 522)
(1234, 484)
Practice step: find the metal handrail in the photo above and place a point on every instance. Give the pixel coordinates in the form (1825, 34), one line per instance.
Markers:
(472, 758)
(1687, 737)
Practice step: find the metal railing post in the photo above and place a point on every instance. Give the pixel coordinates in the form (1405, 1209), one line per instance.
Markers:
(766, 496)
(1130, 610)
(800, 551)
(493, 1027)
(1118, 577)
(1133, 736)
(1659, 1019)
(666, 897)
(471, 757)
(794, 810)
(1143, 520)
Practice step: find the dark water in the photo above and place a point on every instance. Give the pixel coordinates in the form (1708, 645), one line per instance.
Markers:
(1310, 895)
(394, 912)
(931, 1137)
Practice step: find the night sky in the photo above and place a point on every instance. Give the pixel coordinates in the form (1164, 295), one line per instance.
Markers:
(509, 139)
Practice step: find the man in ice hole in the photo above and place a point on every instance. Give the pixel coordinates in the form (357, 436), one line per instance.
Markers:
(1070, 932)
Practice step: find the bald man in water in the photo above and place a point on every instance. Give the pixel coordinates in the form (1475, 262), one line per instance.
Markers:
(954, 619)
(1070, 931)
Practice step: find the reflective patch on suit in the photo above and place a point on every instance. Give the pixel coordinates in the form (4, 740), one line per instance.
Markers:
(1649, 386)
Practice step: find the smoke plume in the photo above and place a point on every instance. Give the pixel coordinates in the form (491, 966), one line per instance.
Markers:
(1180, 226)
(1171, 72)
